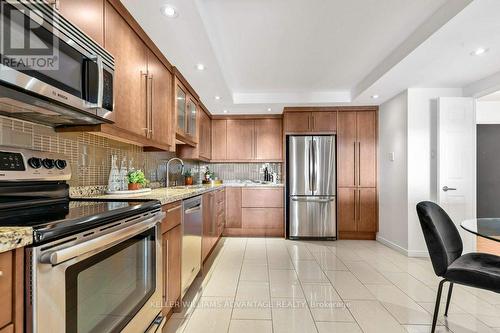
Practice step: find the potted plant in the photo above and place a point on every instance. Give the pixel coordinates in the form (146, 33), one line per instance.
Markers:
(188, 177)
(136, 180)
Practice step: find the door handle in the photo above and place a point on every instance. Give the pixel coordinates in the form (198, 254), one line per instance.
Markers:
(446, 189)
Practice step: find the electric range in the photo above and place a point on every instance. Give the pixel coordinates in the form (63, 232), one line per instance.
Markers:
(94, 265)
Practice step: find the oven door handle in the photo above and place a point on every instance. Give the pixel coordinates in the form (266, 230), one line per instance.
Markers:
(58, 256)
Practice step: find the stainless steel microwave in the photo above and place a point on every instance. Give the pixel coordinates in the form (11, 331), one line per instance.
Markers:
(50, 71)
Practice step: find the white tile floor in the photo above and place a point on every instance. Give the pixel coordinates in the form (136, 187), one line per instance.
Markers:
(273, 285)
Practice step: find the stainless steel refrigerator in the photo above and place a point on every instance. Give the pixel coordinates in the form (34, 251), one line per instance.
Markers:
(312, 187)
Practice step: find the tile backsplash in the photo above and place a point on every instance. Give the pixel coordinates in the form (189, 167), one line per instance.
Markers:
(89, 155)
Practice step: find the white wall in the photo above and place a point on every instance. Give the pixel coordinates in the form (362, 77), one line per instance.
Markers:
(422, 167)
(487, 112)
(393, 195)
(407, 125)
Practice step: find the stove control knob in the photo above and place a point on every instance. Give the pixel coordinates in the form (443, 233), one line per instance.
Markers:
(48, 163)
(35, 162)
(61, 164)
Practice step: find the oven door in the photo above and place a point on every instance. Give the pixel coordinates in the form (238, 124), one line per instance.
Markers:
(114, 287)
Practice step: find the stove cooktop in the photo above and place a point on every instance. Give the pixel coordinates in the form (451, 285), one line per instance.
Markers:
(69, 217)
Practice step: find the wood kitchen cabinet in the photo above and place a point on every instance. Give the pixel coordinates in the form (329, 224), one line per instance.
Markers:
(12, 291)
(357, 174)
(241, 140)
(219, 140)
(213, 220)
(88, 15)
(254, 212)
(160, 107)
(186, 111)
(310, 122)
(171, 230)
(268, 139)
(131, 61)
(203, 150)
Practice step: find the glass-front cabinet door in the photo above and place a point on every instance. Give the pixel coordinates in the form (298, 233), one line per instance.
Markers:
(192, 117)
(181, 110)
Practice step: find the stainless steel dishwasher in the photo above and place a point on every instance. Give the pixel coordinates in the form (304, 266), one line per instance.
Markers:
(191, 241)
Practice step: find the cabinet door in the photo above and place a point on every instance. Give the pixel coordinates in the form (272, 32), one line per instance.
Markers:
(367, 210)
(262, 218)
(268, 139)
(367, 148)
(240, 139)
(173, 269)
(180, 109)
(88, 15)
(324, 121)
(346, 205)
(192, 118)
(208, 224)
(297, 122)
(205, 140)
(130, 72)
(346, 149)
(160, 85)
(233, 207)
(219, 133)
(6, 291)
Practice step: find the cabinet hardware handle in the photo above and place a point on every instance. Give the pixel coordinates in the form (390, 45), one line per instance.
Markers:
(170, 210)
(359, 163)
(355, 162)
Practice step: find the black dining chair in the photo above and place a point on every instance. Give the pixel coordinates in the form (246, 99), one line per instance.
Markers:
(479, 270)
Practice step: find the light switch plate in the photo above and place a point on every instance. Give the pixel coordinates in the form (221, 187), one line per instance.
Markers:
(391, 156)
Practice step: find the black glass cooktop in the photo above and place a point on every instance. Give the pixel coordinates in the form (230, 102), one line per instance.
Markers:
(68, 217)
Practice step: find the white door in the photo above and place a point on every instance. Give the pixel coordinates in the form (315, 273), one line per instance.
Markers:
(456, 162)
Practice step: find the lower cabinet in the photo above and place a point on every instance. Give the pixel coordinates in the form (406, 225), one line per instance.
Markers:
(357, 213)
(213, 220)
(11, 291)
(254, 212)
(172, 247)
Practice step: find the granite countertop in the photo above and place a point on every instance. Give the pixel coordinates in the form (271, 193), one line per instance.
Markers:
(14, 237)
(164, 195)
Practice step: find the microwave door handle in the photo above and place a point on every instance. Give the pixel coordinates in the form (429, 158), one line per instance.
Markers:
(72, 251)
(100, 71)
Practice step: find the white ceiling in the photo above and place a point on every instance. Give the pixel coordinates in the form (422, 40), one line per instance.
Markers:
(267, 54)
(494, 97)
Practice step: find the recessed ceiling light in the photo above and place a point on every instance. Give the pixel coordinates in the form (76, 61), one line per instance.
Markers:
(269, 109)
(225, 111)
(169, 11)
(375, 96)
(217, 97)
(479, 51)
(200, 67)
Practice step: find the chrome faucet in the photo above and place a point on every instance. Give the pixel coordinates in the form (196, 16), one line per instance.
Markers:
(168, 168)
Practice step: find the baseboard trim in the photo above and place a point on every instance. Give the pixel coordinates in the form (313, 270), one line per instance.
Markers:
(402, 250)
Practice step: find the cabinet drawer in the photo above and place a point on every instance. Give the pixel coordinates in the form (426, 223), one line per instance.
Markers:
(173, 217)
(262, 218)
(262, 198)
(6, 291)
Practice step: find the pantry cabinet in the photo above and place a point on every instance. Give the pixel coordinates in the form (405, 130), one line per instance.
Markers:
(357, 174)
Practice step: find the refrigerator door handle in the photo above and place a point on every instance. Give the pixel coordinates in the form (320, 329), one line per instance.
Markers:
(314, 151)
(311, 167)
(313, 200)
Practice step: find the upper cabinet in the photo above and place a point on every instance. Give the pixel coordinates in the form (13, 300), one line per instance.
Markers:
(268, 139)
(131, 65)
(241, 140)
(88, 15)
(357, 149)
(203, 150)
(310, 122)
(186, 111)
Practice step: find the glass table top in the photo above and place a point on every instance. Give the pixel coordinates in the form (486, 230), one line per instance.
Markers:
(484, 227)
